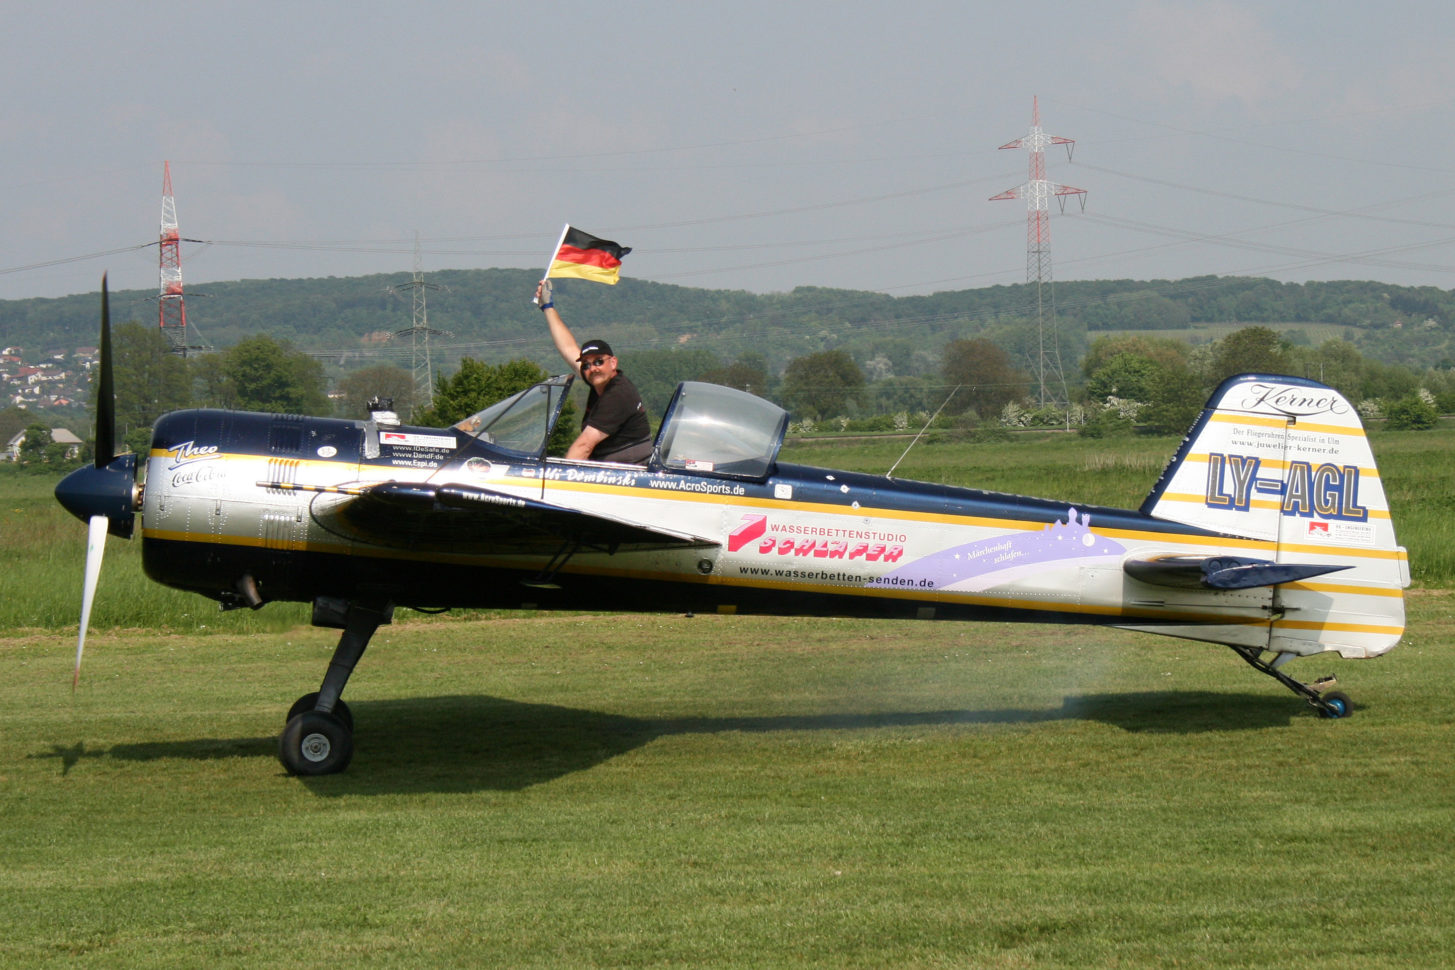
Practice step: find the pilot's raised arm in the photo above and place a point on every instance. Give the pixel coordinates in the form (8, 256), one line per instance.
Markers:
(615, 426)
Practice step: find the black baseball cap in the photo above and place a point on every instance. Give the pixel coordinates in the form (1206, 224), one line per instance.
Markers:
(595, 347)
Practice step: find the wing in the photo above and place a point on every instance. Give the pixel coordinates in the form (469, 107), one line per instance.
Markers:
(467, 518)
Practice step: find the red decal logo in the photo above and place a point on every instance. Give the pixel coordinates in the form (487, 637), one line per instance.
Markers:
(752, 527)
(755, 530)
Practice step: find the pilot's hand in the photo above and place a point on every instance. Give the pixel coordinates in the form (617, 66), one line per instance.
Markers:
(544, 299)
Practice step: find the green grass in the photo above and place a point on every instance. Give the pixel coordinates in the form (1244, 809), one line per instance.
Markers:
(585, 791)
(591, 791)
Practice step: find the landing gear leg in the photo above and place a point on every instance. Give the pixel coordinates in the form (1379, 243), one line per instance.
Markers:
(319, 736)
(1329, 703)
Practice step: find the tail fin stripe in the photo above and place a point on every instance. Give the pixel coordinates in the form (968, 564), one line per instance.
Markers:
(1256, 422)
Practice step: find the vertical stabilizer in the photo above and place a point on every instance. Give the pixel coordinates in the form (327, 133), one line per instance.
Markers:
(1285, 461)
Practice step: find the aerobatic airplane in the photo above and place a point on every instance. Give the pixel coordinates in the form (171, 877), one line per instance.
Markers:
(1268, 531)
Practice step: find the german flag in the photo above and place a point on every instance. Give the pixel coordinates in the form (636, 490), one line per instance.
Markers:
(583, 256)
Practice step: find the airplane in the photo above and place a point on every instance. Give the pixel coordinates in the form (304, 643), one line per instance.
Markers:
(1268, 531)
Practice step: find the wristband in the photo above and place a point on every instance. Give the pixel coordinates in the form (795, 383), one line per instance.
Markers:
(547, 306)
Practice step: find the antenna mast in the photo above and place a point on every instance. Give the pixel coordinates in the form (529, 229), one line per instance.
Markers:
(1037, 192)
(171, 307)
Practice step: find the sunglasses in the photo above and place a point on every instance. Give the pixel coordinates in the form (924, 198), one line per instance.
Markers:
(594, 362)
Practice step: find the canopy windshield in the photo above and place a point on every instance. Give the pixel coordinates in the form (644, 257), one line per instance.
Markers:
(521, 423)
(720, 431)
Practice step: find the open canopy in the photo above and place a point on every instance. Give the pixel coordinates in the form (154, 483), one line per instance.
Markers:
(708, 429)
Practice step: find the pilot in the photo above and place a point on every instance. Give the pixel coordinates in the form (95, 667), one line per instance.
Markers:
(615, 427)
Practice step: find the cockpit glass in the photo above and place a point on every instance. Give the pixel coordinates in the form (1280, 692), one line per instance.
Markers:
(720, 431)
(522, 422)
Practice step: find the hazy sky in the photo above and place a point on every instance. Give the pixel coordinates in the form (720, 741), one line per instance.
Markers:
(752, 145)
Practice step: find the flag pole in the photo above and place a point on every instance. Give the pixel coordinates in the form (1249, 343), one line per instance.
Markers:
(552, 258)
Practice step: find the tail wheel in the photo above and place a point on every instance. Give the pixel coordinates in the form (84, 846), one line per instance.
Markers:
(1335, 704)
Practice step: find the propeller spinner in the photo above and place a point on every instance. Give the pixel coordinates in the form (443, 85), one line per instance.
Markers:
(105, 494)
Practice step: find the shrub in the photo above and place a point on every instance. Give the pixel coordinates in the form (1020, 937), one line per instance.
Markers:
(1412, 413)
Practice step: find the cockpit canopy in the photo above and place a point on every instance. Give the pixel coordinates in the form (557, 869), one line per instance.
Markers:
(720, 431)
(521, 423)
(708, 429)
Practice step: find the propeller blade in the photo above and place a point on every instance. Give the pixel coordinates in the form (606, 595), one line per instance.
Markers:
(95, 549)
(105, 389)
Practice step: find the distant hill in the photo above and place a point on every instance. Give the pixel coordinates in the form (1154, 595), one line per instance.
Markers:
(489, 316)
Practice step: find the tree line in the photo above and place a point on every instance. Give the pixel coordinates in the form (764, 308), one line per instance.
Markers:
(353, 318)
(965, 376)
(1124, 383)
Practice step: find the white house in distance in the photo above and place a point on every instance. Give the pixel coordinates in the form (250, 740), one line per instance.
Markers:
(60, 436)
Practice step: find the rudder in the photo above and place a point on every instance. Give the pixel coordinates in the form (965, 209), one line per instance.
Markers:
(1285, 461)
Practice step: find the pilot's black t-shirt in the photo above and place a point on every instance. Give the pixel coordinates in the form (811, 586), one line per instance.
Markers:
(618, 411)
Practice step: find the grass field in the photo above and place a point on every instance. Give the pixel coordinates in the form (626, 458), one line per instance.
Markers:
(659, 791)
(584, 791)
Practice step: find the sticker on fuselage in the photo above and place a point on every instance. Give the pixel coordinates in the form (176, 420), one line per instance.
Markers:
(992, 561)
(410, 440)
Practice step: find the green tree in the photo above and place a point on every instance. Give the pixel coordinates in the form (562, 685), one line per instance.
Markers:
(1135, 310)
(1412, 413)
(263, 374)
(383, 380)
(1159, 350)
(656, 373)
(12, 421)
(1249, 350)
(150, 379)
(33, 448)
(1336, 363)
(821, 385)
(1126, 376)
(1176, 398)
(748, 373)
(1106, 422)
(1389, 382)
(906, 395)
(988, 380)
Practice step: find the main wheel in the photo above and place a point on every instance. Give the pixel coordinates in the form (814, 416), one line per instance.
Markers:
(315, 743)
(307, 701)
(1337, 704)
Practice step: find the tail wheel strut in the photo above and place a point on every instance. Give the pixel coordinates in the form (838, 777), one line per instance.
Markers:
(1329, 703)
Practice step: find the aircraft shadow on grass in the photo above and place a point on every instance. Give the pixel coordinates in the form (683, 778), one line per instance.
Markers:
(466, 743)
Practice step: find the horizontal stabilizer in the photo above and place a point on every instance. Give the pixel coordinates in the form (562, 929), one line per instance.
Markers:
(1221, 572)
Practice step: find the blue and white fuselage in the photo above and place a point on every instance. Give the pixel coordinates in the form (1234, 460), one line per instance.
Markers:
(255, 507)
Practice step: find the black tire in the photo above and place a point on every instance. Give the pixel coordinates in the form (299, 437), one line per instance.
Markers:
(306, 703)
(315, 743)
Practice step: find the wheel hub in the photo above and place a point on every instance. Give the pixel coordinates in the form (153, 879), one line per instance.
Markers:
(315, 747)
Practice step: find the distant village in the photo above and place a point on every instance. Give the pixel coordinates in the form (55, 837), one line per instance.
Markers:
(58, 381)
